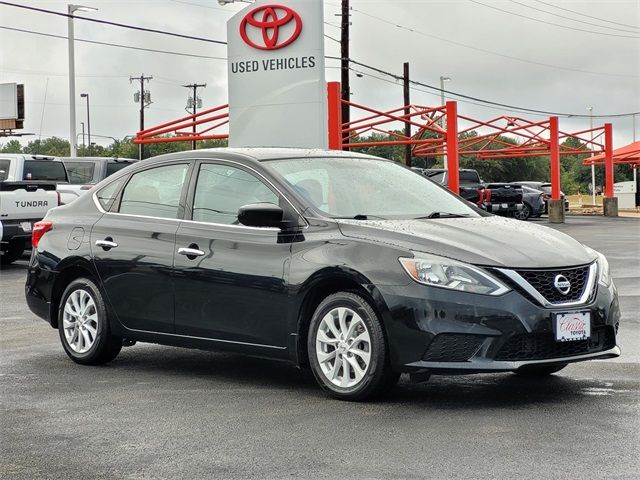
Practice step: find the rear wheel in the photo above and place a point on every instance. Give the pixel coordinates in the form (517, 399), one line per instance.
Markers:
(539, 370)
(524, 213)
(347, 349)
(12, 252)
(83, 325)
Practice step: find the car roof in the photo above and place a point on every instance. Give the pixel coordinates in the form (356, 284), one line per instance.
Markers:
(260, 154)
(97, 159)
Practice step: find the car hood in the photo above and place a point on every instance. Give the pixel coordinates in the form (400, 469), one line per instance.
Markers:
(490, 241)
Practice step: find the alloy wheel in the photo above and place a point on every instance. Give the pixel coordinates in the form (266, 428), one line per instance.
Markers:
(343, 347)
(80, 321)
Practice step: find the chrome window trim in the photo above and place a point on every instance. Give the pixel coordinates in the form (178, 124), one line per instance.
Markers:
(515, 277)
(217, 161)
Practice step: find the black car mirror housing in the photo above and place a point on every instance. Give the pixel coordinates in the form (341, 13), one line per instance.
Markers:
(261, 215)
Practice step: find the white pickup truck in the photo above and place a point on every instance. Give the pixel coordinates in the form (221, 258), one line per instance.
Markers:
(27, 192)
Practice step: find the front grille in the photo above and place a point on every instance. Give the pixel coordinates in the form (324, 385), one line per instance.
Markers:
(453, 347)
(543, 282)
(543, 346)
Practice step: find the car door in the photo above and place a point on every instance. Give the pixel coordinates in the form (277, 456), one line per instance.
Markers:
(233, 285)
(133, 247)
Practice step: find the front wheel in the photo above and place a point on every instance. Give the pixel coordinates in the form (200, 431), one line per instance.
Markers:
(524, 213)
(83, 325)
(348, 350)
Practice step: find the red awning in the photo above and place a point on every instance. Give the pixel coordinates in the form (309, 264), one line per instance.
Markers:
(627, 154)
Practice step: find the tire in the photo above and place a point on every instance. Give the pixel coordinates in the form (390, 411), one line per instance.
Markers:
(364, 363)
(90, 343)
(13, 252)
(523, 214)
(539, 371)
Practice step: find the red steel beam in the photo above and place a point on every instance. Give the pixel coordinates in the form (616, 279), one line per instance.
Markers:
(452, 147)
(334, 114)
(608, 160)
(554, 153)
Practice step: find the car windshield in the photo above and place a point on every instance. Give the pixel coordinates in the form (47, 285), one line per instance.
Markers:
(367, 188)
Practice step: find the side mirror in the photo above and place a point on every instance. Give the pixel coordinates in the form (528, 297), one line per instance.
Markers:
(261, 215)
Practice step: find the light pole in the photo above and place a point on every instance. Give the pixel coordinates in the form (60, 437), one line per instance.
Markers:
(72, 75)
(593, 167)
(83, 144)
(86, 96)
(444, 116)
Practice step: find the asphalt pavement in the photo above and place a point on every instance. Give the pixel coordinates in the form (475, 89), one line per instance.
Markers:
(161, 412)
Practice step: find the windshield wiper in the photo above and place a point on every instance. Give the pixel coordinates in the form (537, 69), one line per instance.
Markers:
(360, 216)
(443, 215)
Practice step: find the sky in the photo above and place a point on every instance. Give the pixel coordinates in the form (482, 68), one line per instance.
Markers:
(554, 55)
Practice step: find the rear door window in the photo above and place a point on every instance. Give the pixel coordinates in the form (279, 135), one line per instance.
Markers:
(80, 173)
(4, 169)
(44, 170)
(154, 192)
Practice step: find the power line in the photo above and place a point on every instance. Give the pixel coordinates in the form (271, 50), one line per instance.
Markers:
(550, 23)
(489, 102)
(490, 52)
(108, 44)
(588, 16)
(569, 18)
(115, 24)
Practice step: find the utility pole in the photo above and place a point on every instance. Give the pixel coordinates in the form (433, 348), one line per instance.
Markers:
(407, 111)
(144, 98)
(344, 62)
(194, 103)
(593, 167)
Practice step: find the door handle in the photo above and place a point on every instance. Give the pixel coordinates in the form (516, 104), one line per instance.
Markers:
(107, 243)
(190, 252)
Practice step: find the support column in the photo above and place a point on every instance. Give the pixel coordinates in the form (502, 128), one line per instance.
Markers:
(453, 163)
(334, 115)
(556, 204)
(609, 202)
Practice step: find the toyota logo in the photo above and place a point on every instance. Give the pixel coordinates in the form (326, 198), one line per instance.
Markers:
(270, 27)
(562, 284)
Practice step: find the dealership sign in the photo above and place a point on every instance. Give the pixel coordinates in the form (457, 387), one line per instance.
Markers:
(277, 89)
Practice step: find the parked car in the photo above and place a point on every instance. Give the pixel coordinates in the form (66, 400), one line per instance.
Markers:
(27, 192)
(85, 172)
(546, 188)
(346, 263)
(494, 197)
(533, 204)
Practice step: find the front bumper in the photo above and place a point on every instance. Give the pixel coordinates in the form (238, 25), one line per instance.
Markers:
(441, 331)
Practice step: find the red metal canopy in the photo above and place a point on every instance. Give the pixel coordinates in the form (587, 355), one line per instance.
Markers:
(627, 154)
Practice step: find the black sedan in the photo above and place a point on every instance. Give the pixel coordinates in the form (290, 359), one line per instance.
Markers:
(349, 264)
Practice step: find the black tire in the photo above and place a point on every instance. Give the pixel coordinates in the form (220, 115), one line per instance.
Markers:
(12, 252)
(535, 371)
(523, 214)
(105, 346)
(378, 376)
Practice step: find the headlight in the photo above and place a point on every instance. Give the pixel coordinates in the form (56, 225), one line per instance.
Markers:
(445, 273)
(604, 273)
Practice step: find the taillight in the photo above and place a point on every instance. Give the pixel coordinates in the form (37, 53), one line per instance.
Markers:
(480, 197)
(39, 229)
(487, 195)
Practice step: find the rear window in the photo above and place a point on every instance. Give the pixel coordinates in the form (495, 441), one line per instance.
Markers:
(44, 170)
(80, 173)
(4, 169)
(113, 167)
(469, 177)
